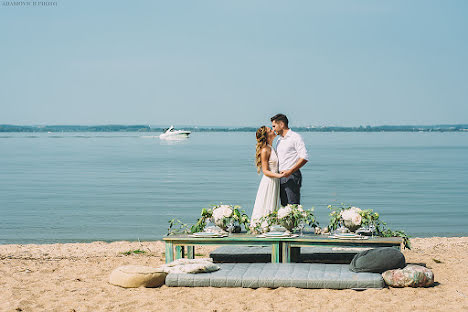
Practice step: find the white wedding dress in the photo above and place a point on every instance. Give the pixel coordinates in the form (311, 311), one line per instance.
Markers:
(268, 195)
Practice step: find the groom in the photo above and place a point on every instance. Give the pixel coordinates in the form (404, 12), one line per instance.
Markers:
(292, 155)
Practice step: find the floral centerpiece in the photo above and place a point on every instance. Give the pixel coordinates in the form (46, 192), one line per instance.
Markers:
(354, 218)
(223, 216)
(290, 217)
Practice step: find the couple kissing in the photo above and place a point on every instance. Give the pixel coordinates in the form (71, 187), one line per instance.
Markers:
(280, 164)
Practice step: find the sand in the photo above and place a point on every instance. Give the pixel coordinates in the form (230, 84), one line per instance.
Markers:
(73, 277)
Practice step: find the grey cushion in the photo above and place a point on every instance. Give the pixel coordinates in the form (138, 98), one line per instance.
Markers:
(273, 275)
(378, 260)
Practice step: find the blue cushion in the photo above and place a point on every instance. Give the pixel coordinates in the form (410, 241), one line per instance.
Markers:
(273, 275)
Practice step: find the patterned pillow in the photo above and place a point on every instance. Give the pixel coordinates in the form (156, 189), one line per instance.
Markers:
(410, 276)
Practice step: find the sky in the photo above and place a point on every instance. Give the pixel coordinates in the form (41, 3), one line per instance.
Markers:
(234, 63)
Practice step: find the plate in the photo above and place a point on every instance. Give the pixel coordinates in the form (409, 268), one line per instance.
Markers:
(349, 237)
(206, 234)
(276, 234)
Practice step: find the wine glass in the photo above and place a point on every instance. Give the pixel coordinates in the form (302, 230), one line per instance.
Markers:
(372, 228)
(341, 228)
(209, 225)
(230, 228)
(301, 227)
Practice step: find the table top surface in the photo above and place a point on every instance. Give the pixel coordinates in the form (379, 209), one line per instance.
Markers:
(307, 238)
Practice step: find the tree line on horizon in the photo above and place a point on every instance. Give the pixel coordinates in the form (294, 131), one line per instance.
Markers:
(145, 128)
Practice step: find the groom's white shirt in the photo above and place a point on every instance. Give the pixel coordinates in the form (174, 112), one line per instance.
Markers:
(290, 148)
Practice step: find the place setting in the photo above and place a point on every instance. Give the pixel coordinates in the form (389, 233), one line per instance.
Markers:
(211, 231)
(343, 232)
(277, 231)
(208, 235)
(277, 235)
(348, 236)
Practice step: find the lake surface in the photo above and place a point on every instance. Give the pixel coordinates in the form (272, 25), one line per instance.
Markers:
(76, 187)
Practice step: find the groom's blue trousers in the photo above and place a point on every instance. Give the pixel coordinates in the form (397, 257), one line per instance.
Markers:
(290, 189)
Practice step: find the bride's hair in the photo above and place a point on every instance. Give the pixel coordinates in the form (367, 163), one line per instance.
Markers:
(262, 136)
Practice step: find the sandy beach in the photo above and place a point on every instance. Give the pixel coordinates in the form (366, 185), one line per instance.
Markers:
(73, 277)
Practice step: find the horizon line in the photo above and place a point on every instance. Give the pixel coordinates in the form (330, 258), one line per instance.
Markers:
(229, 127)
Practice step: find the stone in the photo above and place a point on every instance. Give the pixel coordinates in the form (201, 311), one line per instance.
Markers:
(130, 276)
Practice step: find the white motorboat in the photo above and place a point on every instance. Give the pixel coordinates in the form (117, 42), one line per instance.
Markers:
(172, 134)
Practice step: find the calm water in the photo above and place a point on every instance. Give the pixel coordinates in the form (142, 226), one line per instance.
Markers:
(73, 187)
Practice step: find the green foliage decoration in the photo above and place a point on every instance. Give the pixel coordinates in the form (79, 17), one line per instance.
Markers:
(289, 217)
(368, 217)
(238, 217)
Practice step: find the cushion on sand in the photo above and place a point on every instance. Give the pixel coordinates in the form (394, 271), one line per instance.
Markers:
(378, 260)
(202, 265)
(410, 276)
(136, 276)
(274, 275)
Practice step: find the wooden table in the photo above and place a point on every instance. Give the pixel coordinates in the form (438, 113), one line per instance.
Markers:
(282, 249)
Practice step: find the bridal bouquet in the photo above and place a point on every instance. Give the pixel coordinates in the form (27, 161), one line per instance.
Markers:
(353, 218)
(290, 217)
(223, 216)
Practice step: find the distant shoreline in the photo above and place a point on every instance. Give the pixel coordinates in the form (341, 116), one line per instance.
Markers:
(143, 128)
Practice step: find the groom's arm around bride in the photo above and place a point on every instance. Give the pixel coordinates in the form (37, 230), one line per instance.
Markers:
(292, 155)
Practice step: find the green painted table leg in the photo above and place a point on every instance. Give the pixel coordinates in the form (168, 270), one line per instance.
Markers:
(179, 252)
(169, 252)
(275, 252)
(191, 252)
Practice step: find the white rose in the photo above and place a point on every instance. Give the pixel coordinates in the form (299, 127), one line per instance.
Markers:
(284, 212)
(216, 215)
(223, 211)
(356, 219)
(346, 214)
(355, 209)
(227, 212)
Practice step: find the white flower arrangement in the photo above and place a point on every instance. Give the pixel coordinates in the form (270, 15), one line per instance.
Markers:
(223, 216)
(220, 213)
(283, 212)
(289, 216)
(352, 216)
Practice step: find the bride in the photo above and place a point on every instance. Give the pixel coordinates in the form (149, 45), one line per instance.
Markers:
(266, 160)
